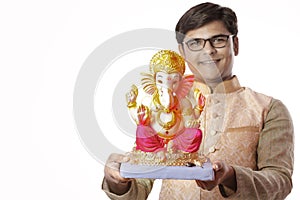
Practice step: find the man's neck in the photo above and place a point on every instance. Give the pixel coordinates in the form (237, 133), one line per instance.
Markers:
(228, 85)
(215, 82)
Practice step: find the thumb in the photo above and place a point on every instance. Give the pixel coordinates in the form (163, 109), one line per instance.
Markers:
(217, 166)
(125, 159)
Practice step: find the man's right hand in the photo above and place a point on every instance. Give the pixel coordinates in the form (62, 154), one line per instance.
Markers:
(117, 184)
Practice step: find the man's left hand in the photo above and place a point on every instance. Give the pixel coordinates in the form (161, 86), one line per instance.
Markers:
(224, 175)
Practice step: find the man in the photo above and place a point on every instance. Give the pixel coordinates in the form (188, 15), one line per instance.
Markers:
(247, 135)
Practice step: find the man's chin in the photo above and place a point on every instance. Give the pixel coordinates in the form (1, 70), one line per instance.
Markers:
(212, 81)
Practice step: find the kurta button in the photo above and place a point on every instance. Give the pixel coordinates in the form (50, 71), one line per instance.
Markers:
(215, 115)
(212, 149)
(216, 101)
(213, 132)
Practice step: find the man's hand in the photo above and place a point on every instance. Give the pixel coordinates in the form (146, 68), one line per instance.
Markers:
(224, 175)
(117, 184)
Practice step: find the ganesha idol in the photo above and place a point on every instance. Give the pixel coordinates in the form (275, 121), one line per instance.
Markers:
(168, 124)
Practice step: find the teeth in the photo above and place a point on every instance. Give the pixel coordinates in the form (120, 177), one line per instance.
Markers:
(209, 62)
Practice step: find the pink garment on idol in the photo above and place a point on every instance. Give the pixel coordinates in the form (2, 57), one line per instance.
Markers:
(147, 140)
(189, 140)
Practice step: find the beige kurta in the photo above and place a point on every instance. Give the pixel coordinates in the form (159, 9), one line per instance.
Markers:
(250, 131)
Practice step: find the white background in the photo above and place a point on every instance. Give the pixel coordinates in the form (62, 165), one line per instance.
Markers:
(43, 45)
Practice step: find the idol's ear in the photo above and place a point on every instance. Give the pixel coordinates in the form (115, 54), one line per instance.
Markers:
(185, 86)
(148, 83)
(236, 45)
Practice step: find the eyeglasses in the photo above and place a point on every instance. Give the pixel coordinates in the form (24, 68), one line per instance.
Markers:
(197, 44)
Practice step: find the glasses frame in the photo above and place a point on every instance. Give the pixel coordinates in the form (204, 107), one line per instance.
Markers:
(209, 40)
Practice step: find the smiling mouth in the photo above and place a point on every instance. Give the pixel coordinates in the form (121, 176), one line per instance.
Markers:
(209, 61)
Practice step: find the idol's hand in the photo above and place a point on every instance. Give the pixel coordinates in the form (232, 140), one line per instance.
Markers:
(131, 96)
(224, 175)
(143, 115)
(117, 184)
(200, 99)
(192, 124)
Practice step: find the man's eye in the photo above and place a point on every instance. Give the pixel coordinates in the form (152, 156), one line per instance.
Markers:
(194, 43)
(218, 40)
(160, 81)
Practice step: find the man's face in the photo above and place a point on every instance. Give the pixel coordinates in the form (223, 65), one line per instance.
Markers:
(210, 65)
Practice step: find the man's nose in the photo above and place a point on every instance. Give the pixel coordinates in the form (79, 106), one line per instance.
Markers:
(208, 48)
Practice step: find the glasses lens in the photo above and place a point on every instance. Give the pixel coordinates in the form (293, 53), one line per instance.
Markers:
(219, 41)
(195, 44)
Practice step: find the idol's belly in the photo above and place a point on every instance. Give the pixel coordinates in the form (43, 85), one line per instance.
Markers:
(167, 125)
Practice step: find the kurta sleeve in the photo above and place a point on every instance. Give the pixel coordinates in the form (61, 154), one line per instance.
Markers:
(140, 189)
(275, 159)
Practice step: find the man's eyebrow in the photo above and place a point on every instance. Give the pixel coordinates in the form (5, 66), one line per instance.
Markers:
(218, 35)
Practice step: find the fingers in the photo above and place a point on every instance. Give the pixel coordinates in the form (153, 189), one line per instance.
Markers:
(128, 99)
(131, 96)
(224, 174)
(115, 177)
(206, 185)
(114, 161)
(217, 166)
(112, 168)
(118, 158)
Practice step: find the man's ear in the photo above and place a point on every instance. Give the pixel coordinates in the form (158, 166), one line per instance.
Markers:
(181, 50)
(236, 45)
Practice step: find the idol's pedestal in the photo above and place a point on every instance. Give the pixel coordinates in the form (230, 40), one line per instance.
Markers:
(204, 172)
